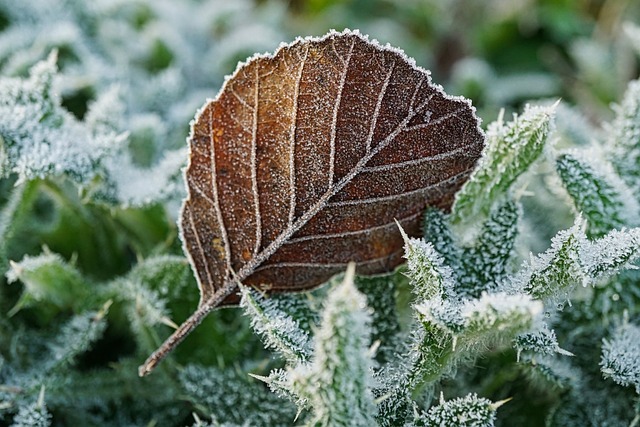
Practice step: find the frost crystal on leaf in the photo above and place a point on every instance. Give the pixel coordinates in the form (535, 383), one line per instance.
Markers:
(278, 330)
(621, 356)
(338, 382)
(597, 192)
(39, 138)
(511, 148)
(624, 137)
(468, 411)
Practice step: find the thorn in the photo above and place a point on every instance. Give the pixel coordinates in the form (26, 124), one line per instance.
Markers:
(16, 267)
(496, 405)
(442, 402)
(374, 348)
(170, 323)
(382, 398)
(262, 378)
(40, 402)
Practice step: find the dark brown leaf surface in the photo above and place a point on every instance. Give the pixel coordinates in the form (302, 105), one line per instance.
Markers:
(304, 160)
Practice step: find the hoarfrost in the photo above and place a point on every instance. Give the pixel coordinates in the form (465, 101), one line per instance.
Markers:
(621, 356)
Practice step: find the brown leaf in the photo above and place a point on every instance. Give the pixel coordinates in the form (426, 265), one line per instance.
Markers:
(304, 160)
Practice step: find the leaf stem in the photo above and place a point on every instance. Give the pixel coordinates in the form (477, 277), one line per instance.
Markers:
(186, 327)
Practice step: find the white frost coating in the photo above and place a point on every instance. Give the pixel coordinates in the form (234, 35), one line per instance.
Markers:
(279, 330)
(621, 356)
(136, 186)
(594, 157)
(615, 251)
(492, 307)
(40, 138)
(338, 382)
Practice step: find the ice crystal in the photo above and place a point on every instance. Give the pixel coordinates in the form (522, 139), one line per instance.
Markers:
(468, 411)
(278, 330)
(510, 149)
(338, 382)
(624, 137)
(39, 138)
(621, 356)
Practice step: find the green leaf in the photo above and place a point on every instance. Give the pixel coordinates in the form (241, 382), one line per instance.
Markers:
(510, 149)
(620, 359)
(485, 264)
(338, 382)
(49, 278)
(278, 330)
(624, 138)
(468, 411)
(597, 192)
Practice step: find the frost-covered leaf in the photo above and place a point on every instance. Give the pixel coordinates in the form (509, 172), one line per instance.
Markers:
(574, 260)
(558, 270)
(511, 148)
(137, 186)
(278, 330)
(618, 250)
(76, 337)
(50, 279)
(232, 396)
(621, 356)
(34, 414)
(357, 136)
(624, 137)
(541, 341)
(484, 265)
(338, 382)
(39, 138)
(468, 411)
(484, 320)
(428, 275)
(437, 231)
(597, 192)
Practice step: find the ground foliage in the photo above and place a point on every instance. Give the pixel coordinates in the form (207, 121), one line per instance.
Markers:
(525, 291)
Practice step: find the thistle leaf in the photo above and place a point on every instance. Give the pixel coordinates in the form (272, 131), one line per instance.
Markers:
(624, 138)
(621, 356)
(338, 382)
(278, 330)
(511, 148)
(597, 192)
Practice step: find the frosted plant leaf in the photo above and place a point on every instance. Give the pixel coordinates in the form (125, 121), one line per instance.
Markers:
(597, 192)
(34, 414)
(283, 206)
(548, 370)
(132, 183)
(542, 341)
(48, 278)
(76, 337)
(624, 137)
(439, 234)
(620, 358)
(40, 138)
(146, 308)
(468, 411)
(485, 263)
(278, 330)
(497, 316)
(428, 275)
(617, 250)
(558, 270)
(511, 148)
(339, 380)
(234, 397)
